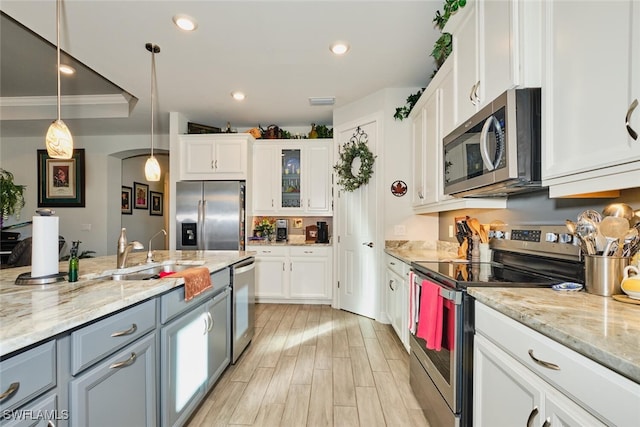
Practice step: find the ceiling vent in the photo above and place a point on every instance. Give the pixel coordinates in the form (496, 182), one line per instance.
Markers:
(325, 100)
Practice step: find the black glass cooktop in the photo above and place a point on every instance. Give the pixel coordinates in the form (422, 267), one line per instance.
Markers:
(462, 275)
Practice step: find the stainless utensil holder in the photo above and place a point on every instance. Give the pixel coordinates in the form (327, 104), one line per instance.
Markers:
(603, 274)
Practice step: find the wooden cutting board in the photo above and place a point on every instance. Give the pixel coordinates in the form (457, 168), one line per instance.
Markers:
(625, 298)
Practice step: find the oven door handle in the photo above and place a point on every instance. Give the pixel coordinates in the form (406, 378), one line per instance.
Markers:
(451, 295)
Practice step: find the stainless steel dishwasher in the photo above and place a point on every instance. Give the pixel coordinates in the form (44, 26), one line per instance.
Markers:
(242, 307)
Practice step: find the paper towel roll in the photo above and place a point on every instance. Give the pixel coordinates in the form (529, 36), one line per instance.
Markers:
(44, 248)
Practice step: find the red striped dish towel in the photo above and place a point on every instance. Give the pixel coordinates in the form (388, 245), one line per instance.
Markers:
(430, 319)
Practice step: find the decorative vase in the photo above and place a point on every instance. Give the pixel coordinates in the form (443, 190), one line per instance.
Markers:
(313, 134)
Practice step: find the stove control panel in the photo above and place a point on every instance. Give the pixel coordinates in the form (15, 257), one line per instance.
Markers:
(548, 240)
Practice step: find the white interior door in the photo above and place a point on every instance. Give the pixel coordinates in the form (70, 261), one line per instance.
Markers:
(357, 214)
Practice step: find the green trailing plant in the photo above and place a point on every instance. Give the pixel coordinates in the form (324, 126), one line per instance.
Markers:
(443, 46)
(441, 50)
(403, 112)
(11, 196)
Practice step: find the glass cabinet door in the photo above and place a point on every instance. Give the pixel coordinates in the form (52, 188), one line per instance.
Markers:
(291, 178)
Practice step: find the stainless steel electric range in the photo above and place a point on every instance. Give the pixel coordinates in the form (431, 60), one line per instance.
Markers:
(523, 256)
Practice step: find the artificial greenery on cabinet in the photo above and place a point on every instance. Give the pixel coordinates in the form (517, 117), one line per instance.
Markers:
(11, 196)
(441, 50)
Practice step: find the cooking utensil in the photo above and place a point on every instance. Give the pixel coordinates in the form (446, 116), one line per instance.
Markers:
(584, 245)
(590, 214)
(614, 229)
(476, 228)
(618, 210)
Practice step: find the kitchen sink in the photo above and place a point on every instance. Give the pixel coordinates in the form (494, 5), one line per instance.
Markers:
(151, 272)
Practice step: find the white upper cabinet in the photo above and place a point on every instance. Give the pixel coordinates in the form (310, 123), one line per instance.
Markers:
(214, 156)
(431, 117)
(591, 80)
(292, 177)
(496, 46)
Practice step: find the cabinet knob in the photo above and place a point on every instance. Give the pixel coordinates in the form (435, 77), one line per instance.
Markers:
(370, 244)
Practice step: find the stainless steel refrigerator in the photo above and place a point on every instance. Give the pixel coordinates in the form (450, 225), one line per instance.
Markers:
(210, 215)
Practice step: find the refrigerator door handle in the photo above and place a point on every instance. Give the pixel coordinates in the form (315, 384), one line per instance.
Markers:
(203, 243)
(200, 234)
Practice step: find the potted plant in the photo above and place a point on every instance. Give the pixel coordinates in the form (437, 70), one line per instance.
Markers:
(11, 196)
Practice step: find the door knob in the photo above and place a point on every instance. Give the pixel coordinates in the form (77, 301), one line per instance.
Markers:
(370, 244)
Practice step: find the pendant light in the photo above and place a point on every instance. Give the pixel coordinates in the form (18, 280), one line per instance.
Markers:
(152, 167)
(59, 141)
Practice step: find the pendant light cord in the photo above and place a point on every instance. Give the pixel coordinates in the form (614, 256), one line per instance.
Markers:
(153, 48)
(58, 2)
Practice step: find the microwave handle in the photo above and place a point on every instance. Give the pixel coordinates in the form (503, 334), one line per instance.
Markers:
(484, 147)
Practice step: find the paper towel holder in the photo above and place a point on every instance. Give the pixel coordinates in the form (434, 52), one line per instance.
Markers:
(26, 279)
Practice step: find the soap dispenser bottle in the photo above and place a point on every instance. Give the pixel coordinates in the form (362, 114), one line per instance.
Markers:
(74, 262)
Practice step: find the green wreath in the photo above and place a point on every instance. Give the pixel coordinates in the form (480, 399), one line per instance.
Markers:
(348, 153)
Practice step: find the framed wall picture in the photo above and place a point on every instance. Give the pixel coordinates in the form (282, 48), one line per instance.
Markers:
(61, 181)
(155, 207)
(125, 201)
(141, 194)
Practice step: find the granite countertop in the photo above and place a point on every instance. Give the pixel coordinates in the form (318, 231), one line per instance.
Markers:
(600, 328)
(31, 313)
(409, 251)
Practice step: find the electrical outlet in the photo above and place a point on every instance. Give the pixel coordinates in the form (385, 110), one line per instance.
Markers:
(85, 227)
(451, 231)
(399, 230)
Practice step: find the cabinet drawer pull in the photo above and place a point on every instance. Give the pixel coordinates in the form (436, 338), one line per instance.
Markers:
(392, 263)
(542, 362)
(632, 133)
(475, 93)
(266, 252)
(13, 387)
(124, 363)
(308, 252)
(129, 331)
(546, 423)
(532, 415)
(473, 88)
(391, 283)
(51, 424)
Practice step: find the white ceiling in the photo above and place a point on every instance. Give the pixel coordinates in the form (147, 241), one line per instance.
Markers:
(277, 52)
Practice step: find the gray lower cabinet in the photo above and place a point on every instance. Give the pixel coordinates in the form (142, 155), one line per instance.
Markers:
(28, 387)
(41, 413)
(195, 349)
(219, 337)
(119, 391)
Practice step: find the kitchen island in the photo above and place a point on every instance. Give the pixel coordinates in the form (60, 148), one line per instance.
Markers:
(32, 313)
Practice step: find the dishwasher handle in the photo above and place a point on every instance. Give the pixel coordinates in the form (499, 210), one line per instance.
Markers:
(244, 266)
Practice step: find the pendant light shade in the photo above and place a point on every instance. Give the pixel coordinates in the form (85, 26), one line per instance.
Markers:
(58, 140)
(152, 167)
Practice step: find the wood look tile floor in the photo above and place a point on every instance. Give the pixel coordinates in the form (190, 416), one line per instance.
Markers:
(311, 365)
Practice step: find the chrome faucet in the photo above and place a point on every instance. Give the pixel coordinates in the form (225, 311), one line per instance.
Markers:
(150, 252)
(124, 248)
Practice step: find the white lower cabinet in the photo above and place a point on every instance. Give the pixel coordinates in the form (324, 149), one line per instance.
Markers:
(521, 377)
(397, 297)
(508, 394)
(295, 274)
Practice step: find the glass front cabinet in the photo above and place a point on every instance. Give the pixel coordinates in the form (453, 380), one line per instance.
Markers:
(292, 177)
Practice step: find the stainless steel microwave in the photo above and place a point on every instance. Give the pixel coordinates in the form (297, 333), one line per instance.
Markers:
(497, 152)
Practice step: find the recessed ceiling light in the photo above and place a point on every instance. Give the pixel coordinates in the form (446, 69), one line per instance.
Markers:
(67, 69)
(185, 22)
(238, 96)
(339, 48)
